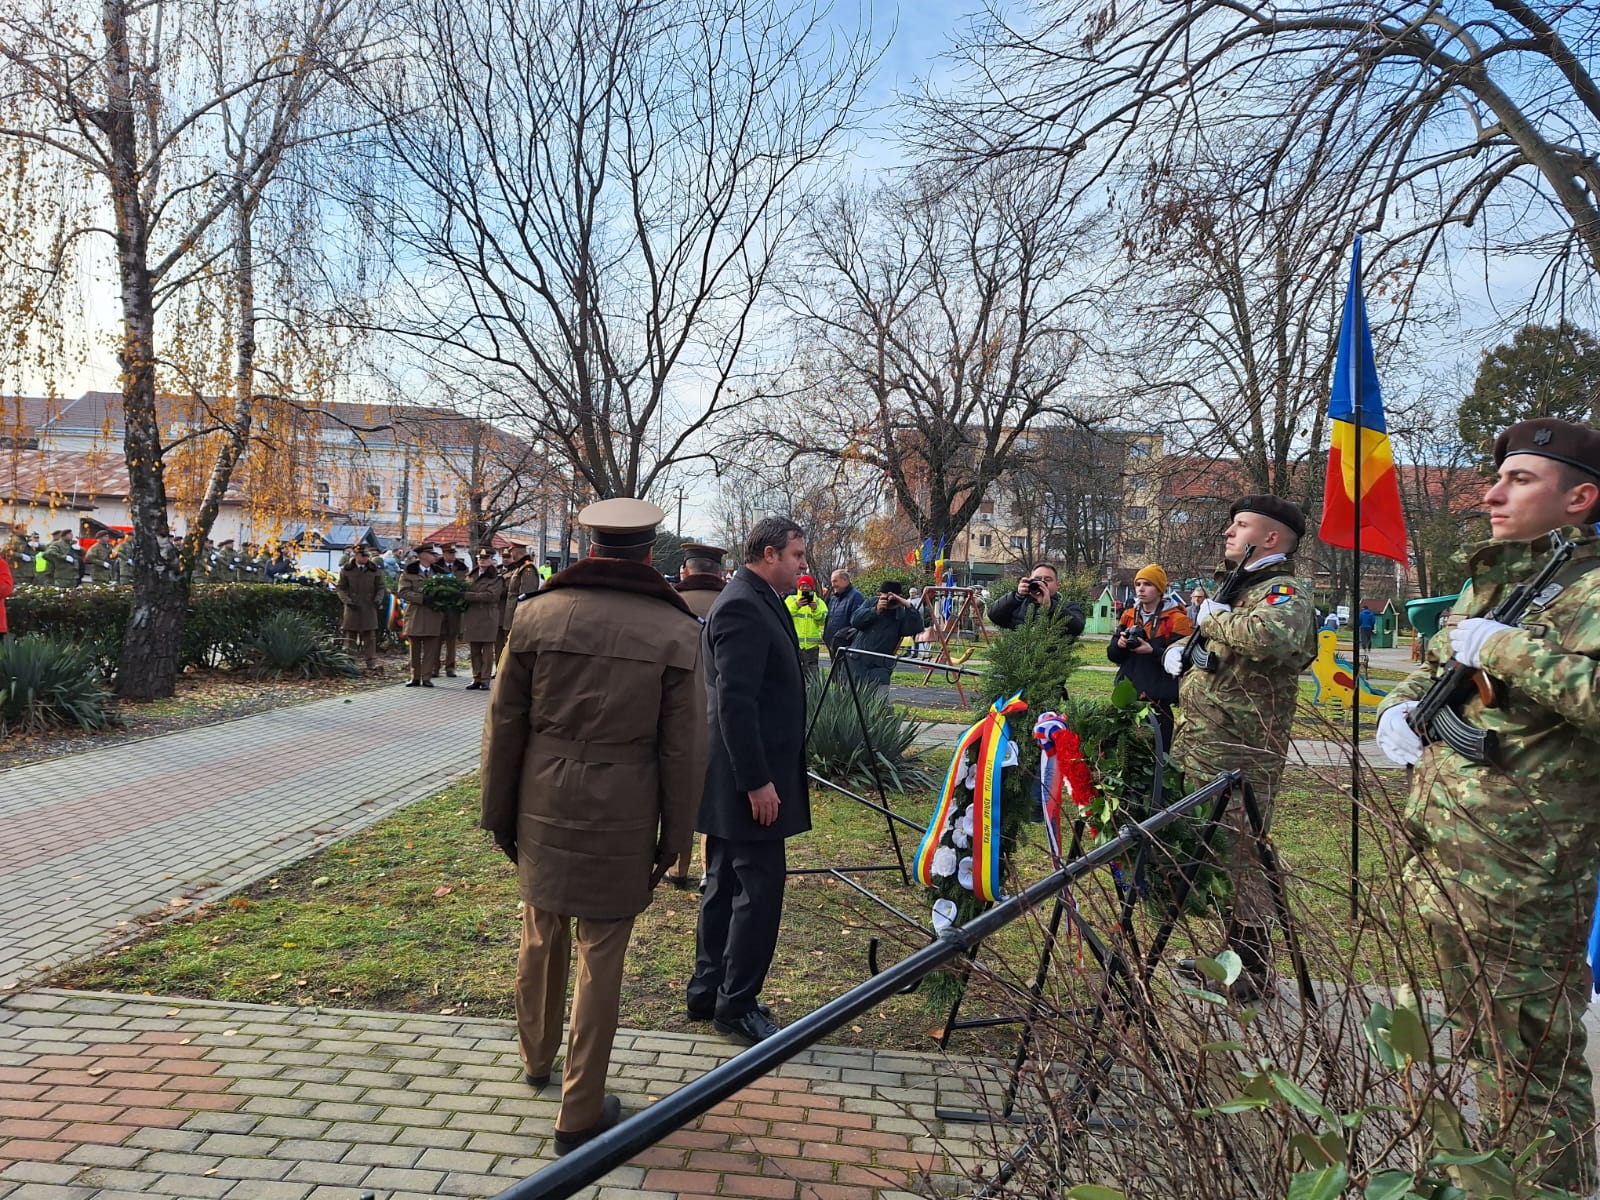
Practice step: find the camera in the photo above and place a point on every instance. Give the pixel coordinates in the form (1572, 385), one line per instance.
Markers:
(1132, 636)
(1034, 586)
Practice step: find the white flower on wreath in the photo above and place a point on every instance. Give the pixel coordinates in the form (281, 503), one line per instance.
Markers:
(959, 836)
(964, 824)
(964, 873)
(944, 915)
(944, 862)
(969, 774)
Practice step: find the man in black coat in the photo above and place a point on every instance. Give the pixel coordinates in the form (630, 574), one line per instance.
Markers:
(756, 793)
(881, 625)
(1038, 591)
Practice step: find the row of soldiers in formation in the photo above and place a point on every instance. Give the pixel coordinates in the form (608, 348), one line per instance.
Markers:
(64, 562)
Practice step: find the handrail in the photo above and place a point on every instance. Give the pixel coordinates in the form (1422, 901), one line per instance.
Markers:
(617, 1145)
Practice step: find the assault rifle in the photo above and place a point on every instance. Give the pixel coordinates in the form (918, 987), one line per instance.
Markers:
(1437, 716)
(1195, 653)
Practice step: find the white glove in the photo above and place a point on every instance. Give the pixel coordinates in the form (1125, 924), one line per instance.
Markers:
(1210, 608)
(1172, 660)
(1467, 639)
(1395, 738)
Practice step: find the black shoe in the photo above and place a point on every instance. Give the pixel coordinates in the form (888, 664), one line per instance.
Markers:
(415, 683)
(681, 882)
(755, 1026)
(609, 1116)
(449, 674)
(710, 1014)
(536, 1082)
(427, 683)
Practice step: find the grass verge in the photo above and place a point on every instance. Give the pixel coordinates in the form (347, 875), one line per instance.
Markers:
(419, 914)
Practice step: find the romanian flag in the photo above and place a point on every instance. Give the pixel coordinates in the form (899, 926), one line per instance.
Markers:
(1355, 378)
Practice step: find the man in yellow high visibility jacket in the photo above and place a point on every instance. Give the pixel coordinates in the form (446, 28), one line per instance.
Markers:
(809, 612)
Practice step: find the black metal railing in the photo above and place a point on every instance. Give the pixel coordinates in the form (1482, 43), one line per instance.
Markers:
(591, 1161)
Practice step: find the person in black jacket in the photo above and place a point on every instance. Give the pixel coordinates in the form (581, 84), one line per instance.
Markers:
(1147, 627)
(755, 793)
(1037, 591)
(881, 626)
(843, 601)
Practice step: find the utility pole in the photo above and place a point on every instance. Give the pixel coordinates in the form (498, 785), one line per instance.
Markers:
(680, 515)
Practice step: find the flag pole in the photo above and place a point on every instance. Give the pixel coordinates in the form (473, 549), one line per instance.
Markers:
(1355, 366)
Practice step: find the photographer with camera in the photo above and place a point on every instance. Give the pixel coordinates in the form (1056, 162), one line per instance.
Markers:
(881, 626)
(1152, 623)
(1039, 591)
(809, 614)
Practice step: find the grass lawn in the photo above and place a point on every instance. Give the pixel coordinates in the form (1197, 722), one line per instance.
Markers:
(419, 913)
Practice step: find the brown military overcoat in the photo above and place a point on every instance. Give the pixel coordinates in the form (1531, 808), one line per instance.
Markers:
(421, 621)
(595, 740)
(523, 577)
(485, 601)
(360, 588)
(700, 592)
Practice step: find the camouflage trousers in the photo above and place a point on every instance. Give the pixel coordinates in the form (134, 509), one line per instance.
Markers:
(1252, 894)
(1517, 985)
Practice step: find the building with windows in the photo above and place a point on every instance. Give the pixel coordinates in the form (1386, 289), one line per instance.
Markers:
(402, 470)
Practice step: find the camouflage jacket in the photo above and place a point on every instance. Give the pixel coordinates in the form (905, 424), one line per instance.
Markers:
(1239, 715)
(1529, 822)
(98, 559)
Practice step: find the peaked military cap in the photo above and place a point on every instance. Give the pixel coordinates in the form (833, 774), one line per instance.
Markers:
(1550, 437)
(621, 523)
(701, 550)
(1284, 512)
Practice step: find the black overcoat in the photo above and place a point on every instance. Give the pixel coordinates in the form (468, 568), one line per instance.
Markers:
(756, 713)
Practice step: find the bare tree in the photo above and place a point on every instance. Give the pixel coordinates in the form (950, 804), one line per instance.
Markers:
(156, 124)
(831, 501)
(938, 328)
(583, 203)
(1441, 114)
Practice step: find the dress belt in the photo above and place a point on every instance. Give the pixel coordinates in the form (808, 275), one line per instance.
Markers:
(595, 752)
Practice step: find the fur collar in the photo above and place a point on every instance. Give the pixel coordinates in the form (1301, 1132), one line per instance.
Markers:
(618, 575)
(701, 583)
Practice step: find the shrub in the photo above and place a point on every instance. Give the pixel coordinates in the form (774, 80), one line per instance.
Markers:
(46, 683)
(219, 615)
(837, 748)
(286, 645)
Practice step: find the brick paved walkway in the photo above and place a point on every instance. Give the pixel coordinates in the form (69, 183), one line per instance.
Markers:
(106, 1097)
(94, 841)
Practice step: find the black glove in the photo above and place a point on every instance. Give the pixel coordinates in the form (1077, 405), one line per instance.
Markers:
(508, 845)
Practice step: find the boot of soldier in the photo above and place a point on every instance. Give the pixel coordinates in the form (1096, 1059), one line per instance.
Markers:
(1253, 945)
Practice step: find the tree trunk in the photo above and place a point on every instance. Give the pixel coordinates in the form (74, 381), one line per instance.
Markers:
(149, 665)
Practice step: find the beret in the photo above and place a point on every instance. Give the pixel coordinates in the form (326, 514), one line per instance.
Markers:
(1550, 437)
(1285, 512)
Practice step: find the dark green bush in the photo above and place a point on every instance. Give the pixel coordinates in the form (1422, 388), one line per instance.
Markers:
(838, 751)
(220, 616)
(47, 684)
(286, 645)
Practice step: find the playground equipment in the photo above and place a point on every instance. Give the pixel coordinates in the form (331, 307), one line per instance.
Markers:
(1337, 680)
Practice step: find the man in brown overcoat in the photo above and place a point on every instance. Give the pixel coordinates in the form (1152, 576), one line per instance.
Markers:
(593, 761)
(360, 588)
(424, 625)
(480, 624)
(450, 630)
(522, 578)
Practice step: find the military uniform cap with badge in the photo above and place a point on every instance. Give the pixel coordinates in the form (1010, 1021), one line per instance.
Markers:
(1237, 694)
(595, 806)
(1507, 844)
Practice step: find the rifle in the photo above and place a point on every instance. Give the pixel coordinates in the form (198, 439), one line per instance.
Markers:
(1195, 653)
(1437, 716)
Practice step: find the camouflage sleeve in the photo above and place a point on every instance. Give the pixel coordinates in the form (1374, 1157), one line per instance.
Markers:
(1275, 629)
(1560, 678)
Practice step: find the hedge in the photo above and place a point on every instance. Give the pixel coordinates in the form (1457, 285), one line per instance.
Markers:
(221, 617)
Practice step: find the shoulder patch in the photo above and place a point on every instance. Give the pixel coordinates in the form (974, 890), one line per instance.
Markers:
(1279, 593)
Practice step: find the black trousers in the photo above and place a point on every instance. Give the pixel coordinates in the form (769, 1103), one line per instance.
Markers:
(738, 928)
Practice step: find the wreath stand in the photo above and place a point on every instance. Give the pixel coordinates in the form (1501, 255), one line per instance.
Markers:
(1125, 994)
(840, 667)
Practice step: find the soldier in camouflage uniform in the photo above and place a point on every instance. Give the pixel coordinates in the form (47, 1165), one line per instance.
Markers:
(1238, 717)
(62, 558)
(98, 559)
(1505, 853)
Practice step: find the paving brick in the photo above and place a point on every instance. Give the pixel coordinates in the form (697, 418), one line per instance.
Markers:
(105, 1156)
(235, 1143)
(258, 1189)
(383, 1156)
